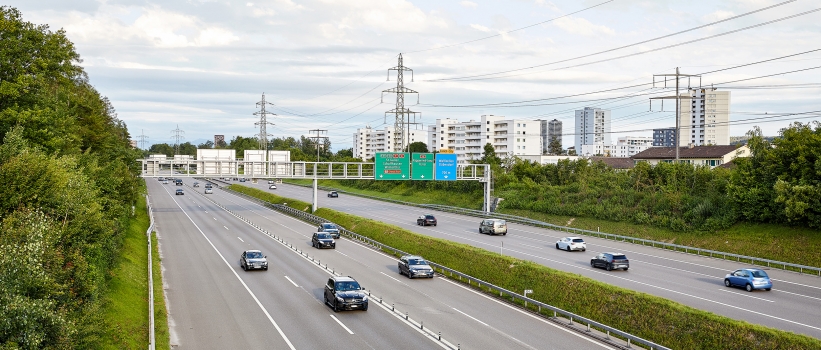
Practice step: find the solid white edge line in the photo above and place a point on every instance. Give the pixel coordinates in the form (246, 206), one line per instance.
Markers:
(801, 295)
(471, 317)
(342, 324)
(281, 333)
(292, 282)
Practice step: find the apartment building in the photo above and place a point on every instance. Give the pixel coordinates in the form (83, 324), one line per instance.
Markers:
(367, 141)
(705, 118)
(627, 146)
(664, 137)
(592, 127)
(468, 139)
(550, 130)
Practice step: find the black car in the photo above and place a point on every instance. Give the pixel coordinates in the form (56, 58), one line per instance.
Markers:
(178, 182)
(323, 240)
(196, 184)
(414, 266)
(345, 293)
(426, 220)
(253, 259)
(333, 194)
(179, 192)
(328, 227)
(610, 261)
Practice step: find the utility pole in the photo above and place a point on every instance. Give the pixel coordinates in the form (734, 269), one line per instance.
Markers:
(177, 138)
(263, 123)
(400, 112)
(142, 139)
(317, 138)
(678, 98)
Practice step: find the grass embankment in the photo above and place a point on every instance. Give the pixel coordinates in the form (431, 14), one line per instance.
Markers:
(271, 198)
(644, 315)
(796, 245)
(126, 301)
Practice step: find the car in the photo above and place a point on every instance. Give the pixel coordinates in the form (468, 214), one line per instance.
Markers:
(610, 261)
(333, 194)
(242, 180)
(493, 227)
(414, 266)
(345, 293)
(272, 187)
(571, 243)
(165, 182)
(208, 185)
(179, 192)
(253, 259)
(750, 279)
(328, 228)
(323, 240)
(160, 179)
(209, 190)
(270, 182)
(196, 184)
(425, 220)
(178, 182)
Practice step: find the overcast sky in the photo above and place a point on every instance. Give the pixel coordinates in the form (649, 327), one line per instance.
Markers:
(203, 64)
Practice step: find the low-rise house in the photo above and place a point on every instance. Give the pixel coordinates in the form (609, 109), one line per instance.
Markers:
(711, 156)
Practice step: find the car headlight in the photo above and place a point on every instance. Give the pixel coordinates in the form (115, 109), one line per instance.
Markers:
(365, 298)
(340, 300)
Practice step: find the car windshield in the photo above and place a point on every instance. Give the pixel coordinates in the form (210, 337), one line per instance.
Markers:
(619, 257)
(759, 274)
(417, 262)
(328, 226)
(500, 223)
(429, 217)
(323, 236)
(578, 240)
(253, 255)
(343, 286)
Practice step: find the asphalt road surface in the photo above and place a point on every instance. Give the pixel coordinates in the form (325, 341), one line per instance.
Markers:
(214, 304)
(794, 304)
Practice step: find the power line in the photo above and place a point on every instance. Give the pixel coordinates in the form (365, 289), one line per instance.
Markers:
(471, 77)
(515, 30)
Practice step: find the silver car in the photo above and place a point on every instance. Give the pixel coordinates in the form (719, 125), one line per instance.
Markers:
(208, 190)
(571, 243)
(253, 259)
(414, 266)
(493, 227)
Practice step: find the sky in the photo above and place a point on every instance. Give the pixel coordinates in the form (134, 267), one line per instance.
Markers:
(201, 66)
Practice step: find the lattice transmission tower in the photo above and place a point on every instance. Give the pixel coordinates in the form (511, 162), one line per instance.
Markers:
(177, 137)
(317, 138)
(263, 123)
(142, 140)
(402, 115)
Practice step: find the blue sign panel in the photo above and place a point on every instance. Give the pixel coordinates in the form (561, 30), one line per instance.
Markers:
(445, 167)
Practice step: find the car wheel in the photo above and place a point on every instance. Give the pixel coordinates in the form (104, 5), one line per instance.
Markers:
(609, 267)
(568, 248)
(727, 283)
(434, 224)
(592, 264)
(584, 249)
(767, 289)
(504, 234)
(749, 287)
(265, 268)
(557, 246)
(480, 231)
(365, 308)
(244, 268)
(625, 269)
(336, 306)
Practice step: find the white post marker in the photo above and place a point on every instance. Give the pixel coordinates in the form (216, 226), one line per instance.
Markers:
(527, 291)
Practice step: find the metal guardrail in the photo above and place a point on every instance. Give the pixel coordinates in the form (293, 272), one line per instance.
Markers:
(503, 293)
(151, 337)
(804, 269)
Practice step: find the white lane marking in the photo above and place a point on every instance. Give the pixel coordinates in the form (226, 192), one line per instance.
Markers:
(342, 253)
(226, 227)
(471, 317)
(391, 277)
(676, 292)
(342, 324)
(240, 240)
(292, 282)
(267, 314)
(744, 295)
(215, 219)
(801, 295)
(206, 211)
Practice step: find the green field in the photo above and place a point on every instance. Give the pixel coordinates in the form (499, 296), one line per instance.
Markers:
(125, 309)
(775, 242)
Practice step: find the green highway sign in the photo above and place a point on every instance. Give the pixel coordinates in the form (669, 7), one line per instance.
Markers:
(422, 166)
(392, 166)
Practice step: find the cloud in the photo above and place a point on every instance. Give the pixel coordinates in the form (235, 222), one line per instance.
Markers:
(480, 27)
(581, 26)
(717, 16)
(468, 4)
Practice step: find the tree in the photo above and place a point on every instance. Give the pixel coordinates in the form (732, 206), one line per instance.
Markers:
(418, 147)
(206, 144)
(555, 146)
(489, 156)
(239, 144)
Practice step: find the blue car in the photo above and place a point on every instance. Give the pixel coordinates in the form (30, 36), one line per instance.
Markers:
(750, 279)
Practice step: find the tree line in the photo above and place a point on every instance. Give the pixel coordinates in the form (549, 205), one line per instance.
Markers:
(302, 149)
(69, 179)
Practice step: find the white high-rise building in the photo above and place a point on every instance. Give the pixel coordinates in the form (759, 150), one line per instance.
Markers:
(367, 141)
(705, 118)
(625, 147)
(592, 127)
(468, 139)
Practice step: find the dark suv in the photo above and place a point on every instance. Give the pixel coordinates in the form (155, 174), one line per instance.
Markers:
(345, 293)
(426, 220)
(322, 240)
(610, 261)
(414, 266)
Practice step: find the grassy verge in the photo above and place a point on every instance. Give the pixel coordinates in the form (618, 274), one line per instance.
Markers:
(271, 198)
(775, 242)
(644, 315)
(125, 309)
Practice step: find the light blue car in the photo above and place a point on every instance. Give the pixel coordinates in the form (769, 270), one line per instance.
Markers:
(750, 279)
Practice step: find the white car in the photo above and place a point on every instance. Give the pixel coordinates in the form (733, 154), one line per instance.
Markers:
(571, 243)
(270, 182)
(272, 187)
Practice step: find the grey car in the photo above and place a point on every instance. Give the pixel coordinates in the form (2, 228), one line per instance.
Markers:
(493, 227)
(414, 266)
(253, 259)
(329, 228)
(323, 240)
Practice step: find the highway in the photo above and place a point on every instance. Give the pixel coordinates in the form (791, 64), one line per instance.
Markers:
(794, 304)
(214, 304)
